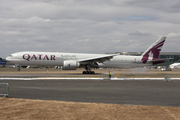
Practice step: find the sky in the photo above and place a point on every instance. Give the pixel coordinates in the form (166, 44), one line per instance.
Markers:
(88, 26)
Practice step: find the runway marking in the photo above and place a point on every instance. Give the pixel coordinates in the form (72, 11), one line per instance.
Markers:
(53, 78)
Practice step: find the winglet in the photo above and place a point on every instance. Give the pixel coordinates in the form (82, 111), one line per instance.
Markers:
(153, 51)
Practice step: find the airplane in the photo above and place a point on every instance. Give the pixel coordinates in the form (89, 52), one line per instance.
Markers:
(72, 61)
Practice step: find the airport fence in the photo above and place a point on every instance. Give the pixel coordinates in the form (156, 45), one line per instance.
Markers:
(4, 89)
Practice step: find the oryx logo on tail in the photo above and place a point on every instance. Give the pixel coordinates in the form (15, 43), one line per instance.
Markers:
(153, 51)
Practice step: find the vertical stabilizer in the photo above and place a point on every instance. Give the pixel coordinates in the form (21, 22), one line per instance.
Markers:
(153, 51)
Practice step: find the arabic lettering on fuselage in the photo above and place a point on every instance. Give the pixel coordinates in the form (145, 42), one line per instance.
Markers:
(29, 57)
(68, 55)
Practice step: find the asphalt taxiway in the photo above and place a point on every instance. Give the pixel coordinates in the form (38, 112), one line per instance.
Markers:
(137, 92)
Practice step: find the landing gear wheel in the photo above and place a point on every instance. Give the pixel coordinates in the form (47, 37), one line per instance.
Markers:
(88, 72)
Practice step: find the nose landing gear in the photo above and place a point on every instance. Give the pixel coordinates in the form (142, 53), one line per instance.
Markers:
(18, 69)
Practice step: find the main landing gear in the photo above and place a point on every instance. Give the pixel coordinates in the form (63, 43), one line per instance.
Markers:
(88, 70)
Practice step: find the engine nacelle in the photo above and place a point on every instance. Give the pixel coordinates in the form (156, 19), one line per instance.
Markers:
(70, 65)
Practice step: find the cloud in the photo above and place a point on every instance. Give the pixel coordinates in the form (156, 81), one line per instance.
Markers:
(141, 18)
(137, 33)
(21, 40)
(164, 6)
(84, 40)
(87, 26)
(173, 35)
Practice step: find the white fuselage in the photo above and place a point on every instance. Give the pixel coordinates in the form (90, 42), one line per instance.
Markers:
(57, 59)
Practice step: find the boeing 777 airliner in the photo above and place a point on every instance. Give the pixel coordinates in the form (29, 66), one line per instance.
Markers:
(72, 61)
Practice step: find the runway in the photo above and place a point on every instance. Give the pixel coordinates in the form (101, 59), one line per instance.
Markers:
(139, 92)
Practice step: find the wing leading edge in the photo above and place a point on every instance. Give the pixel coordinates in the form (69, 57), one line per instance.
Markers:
(99, 59)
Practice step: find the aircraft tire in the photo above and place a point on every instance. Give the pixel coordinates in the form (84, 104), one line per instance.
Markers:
(88, 72)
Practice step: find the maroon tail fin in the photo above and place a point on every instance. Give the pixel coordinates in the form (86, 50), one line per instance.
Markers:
(153, 51)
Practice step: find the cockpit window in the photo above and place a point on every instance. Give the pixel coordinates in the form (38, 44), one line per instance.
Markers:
(10, 56)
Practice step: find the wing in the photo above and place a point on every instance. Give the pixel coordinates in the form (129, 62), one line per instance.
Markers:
(99, 59)
(157, 60)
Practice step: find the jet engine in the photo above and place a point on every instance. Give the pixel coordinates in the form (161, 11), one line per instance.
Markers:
(70, 65)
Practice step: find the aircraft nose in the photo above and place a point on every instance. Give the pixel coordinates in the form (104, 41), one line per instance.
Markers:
(7, 58)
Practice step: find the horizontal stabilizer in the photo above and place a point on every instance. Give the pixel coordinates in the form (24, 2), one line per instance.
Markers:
(158, 61)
